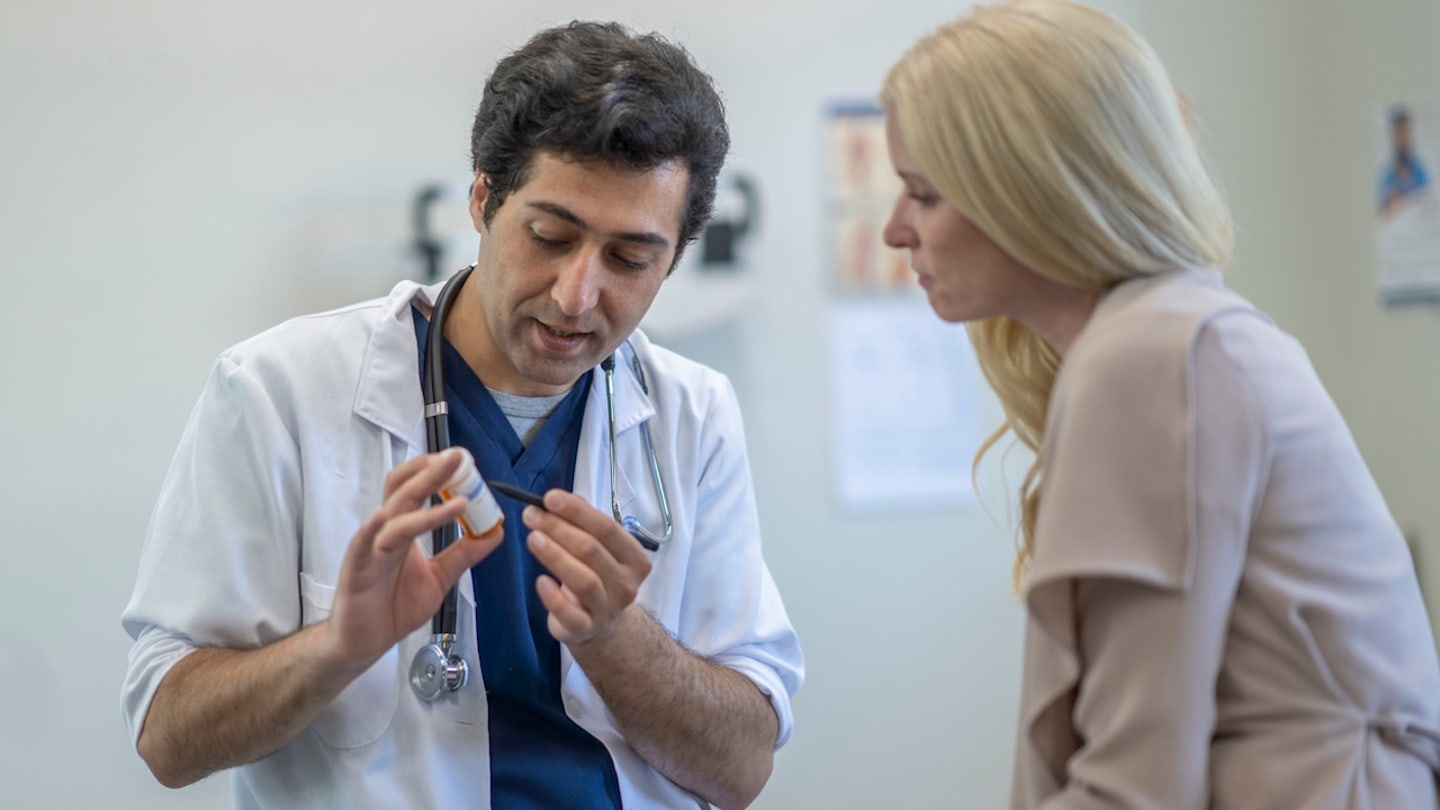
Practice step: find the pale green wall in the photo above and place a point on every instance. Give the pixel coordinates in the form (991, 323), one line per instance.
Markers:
(167, 165)
(1291, 94)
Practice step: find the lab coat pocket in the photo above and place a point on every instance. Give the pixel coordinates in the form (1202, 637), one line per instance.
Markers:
(361, 713)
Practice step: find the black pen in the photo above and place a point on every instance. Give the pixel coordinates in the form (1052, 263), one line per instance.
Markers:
(517, 493)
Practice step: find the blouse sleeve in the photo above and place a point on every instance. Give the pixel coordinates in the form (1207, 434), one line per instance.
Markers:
(1146, 512)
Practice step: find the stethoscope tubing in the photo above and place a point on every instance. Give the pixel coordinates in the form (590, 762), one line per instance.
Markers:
(436, 667)
(437, 429)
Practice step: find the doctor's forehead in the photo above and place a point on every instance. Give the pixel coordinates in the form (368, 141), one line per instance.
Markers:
(611, 198)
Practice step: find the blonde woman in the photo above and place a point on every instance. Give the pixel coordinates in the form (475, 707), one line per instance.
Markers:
(1221, 610)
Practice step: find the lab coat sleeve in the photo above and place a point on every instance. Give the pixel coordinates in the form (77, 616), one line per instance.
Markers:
(220, 561)
(1133, 728)
(734, 614)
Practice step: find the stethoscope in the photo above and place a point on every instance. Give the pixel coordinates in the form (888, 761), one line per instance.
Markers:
(437, 668)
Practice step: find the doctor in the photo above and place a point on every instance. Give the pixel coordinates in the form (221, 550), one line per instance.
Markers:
(286, 580)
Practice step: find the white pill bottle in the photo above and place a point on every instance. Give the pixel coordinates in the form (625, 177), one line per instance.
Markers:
(483, 514)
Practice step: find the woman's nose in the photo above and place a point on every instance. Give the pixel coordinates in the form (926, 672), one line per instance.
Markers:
(896, 233)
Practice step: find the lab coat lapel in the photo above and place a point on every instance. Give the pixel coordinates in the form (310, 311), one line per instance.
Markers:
(388, 395)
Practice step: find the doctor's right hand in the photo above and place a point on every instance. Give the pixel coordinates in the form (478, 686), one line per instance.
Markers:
(388, 587)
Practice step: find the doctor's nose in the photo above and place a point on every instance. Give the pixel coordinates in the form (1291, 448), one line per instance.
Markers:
(577, 287)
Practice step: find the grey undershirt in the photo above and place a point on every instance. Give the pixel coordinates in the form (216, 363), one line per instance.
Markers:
(527, 415)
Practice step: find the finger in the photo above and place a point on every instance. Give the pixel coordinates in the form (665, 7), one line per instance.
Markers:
(583, 566)
(452, 563)
(593, 538)
(400, 531)
(418, 484)
(601, 591)
(576, 510)
(377, 550)
(360, 554)
(568, 620)
(403, 471)
(577, 540)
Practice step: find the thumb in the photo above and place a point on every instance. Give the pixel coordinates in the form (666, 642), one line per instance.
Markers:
(464, 554)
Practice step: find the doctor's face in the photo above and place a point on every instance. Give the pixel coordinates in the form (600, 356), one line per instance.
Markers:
(568, 266)
(964, 273)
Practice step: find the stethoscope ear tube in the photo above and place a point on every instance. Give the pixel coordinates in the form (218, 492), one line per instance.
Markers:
(647, 539)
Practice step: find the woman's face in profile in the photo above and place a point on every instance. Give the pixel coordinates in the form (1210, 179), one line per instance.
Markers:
(963, 272)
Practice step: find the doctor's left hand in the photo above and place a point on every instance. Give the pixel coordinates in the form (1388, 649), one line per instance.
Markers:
(598, 566)
(389, 586)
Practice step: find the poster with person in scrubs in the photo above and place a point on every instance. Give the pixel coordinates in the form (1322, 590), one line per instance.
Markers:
(1407, 207)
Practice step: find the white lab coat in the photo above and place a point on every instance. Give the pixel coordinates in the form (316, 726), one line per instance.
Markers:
(286, 454)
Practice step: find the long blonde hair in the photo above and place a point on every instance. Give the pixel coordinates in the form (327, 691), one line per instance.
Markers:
(1053, 127)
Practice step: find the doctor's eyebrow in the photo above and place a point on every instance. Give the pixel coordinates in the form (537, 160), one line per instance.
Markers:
(649, 238)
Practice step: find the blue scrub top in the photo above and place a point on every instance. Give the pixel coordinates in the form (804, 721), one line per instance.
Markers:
(539, 758)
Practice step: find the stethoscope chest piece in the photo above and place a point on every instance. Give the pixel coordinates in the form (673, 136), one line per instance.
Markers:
(435, 670)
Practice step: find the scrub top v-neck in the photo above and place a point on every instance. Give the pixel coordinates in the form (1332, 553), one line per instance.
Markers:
(539, 758)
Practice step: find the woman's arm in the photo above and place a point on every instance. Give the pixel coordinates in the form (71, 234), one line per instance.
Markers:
(1146, 705)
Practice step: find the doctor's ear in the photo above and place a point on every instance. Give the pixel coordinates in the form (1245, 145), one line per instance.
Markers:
(479, 195)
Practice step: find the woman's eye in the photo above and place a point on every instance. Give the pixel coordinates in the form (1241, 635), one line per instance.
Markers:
(924, 198)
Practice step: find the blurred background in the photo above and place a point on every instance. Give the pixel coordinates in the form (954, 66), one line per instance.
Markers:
(179, 175)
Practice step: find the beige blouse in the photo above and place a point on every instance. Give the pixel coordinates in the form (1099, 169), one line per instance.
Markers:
(1222, 612)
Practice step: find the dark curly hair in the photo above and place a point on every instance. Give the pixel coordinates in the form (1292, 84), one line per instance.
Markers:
(595, 91)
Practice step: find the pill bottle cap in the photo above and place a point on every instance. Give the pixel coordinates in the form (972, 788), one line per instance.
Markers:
(466, 468)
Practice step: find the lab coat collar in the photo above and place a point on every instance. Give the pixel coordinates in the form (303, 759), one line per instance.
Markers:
(632, 404)
(388, 394)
